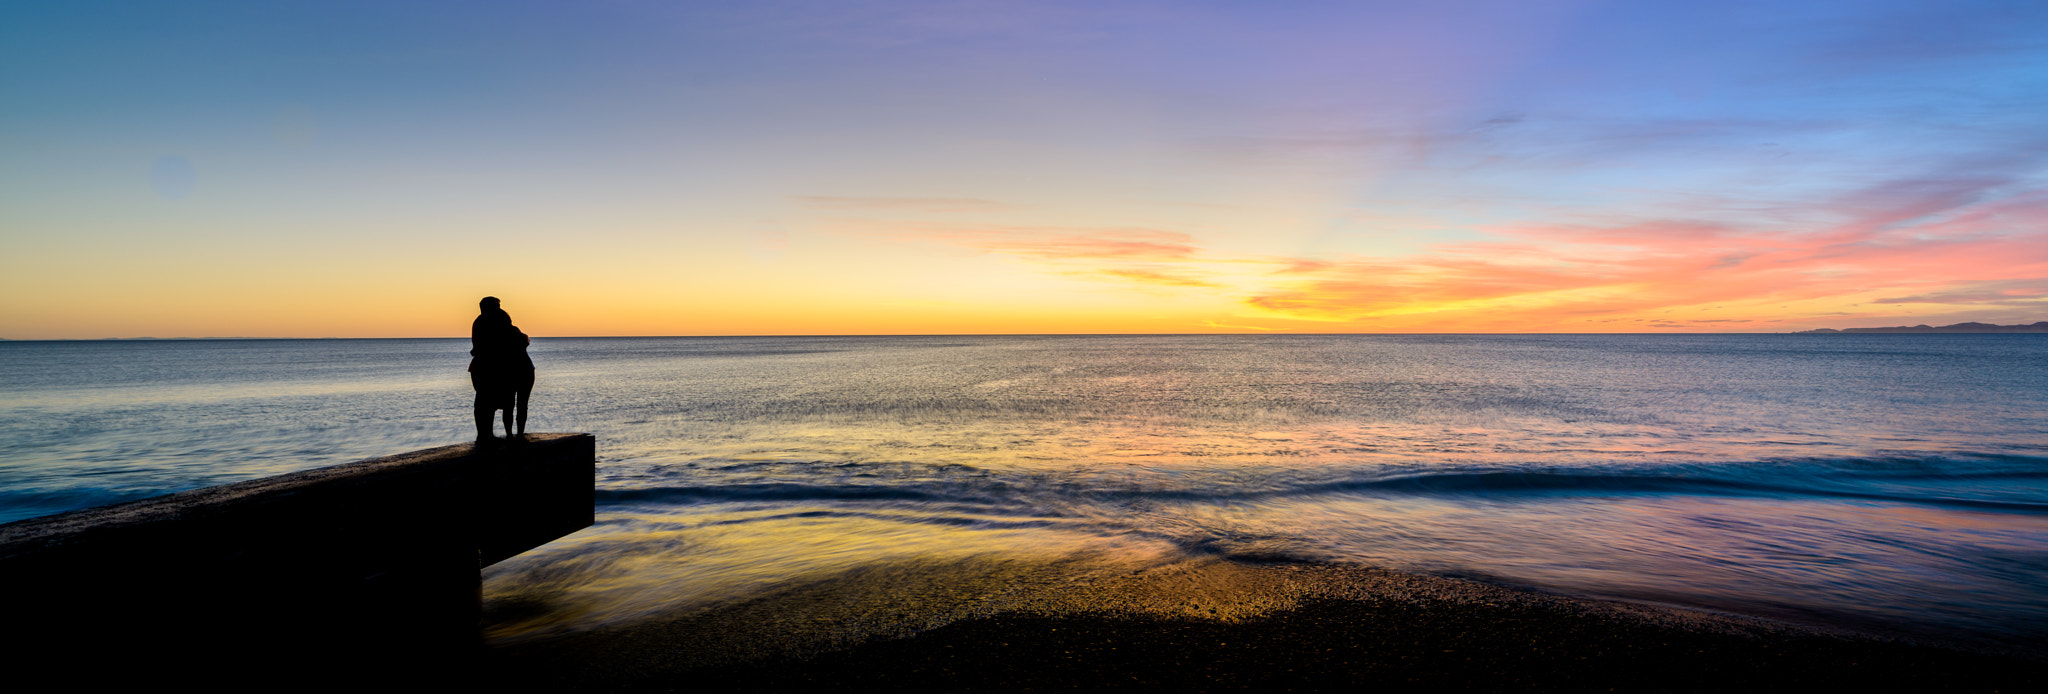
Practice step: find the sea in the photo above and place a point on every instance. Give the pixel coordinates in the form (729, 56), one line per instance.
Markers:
(1896, 483)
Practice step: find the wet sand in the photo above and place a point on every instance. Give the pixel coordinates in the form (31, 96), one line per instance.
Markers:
(1216, 624)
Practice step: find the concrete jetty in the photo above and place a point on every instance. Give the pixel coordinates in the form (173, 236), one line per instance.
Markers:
(365, 567)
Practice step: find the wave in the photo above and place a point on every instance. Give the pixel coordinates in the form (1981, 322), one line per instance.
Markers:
(763, 492)
(2005, 484)
(1504, 483)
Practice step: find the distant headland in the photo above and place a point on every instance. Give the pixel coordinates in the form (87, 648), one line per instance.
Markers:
(2041, 327)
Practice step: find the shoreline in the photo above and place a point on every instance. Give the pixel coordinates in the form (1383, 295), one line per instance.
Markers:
(1221, 624)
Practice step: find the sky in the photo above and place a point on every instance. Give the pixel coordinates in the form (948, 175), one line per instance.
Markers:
(371, 169)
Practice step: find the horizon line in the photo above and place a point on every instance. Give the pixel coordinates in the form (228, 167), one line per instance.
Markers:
(622, 337)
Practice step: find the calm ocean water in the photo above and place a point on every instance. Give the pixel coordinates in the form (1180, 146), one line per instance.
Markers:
(1897, 480)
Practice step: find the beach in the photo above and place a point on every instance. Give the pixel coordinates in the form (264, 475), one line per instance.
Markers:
(1225, 625)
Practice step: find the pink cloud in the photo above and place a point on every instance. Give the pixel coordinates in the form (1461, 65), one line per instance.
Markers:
(1937, 243)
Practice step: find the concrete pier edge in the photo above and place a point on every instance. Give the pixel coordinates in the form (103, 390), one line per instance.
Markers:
(373, 564)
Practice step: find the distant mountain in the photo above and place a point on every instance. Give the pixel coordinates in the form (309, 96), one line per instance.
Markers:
(2041, 327)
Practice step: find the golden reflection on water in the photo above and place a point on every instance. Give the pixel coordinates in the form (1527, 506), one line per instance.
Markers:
(1168, 443)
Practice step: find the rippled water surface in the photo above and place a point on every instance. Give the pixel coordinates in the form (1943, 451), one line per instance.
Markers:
(1859, 479)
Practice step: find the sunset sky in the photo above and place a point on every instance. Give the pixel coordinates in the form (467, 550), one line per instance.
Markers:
(291, 169)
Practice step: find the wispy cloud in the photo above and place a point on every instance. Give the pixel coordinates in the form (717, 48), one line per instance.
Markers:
(1057, 243)
(1924, 242)
(1220, 325)
(1932, 237)
(866, 204)
(2021, 292)
(1159, 277)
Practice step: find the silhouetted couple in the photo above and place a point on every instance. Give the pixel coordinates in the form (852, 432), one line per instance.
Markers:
(500, 370)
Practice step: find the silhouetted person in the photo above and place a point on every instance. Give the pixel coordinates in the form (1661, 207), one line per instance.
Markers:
(521, 380)
(499, 370)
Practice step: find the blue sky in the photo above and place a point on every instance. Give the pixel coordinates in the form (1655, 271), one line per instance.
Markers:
(709, 168)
